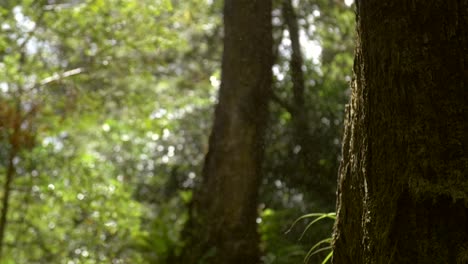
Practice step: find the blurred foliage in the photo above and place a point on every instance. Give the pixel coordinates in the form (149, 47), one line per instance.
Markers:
(105, 109)
(327, 36)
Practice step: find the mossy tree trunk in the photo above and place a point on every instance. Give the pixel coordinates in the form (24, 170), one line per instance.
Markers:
(222, 226)
(308, 145)
(403, 186)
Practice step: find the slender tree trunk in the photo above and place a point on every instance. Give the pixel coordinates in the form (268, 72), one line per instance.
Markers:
(10, 172)
(6, 200)
(222, 226)
(296, 63)
(303, 139)
(403, 186)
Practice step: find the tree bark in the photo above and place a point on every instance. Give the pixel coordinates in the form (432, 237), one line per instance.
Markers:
(222, 226)
(403, 184)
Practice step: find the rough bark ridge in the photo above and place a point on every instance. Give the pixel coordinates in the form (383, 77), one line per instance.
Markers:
(222, 226)
(403, 185)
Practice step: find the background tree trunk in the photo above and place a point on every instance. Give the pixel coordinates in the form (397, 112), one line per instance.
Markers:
(9, 120)
(403, 187)
(308, 146)
(222, 226)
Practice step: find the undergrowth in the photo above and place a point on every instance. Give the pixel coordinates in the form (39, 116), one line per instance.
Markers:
(322, 245)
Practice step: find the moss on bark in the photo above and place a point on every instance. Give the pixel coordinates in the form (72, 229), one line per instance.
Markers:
(403, 186)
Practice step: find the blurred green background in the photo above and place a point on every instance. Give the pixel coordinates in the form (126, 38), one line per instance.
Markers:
(105, 111)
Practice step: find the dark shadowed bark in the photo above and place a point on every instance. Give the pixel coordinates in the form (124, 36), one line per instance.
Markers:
(403, 187)
(222, 226)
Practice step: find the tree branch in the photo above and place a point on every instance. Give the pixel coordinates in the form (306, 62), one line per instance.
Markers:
(59, 76)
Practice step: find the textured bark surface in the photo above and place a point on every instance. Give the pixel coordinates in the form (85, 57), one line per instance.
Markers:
(403, 186)
(222, 226)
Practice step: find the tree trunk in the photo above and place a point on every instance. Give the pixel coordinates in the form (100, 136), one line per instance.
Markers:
(6, 198)
(222, 226)
(403, 186)
(299, 112)
(12, 122)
